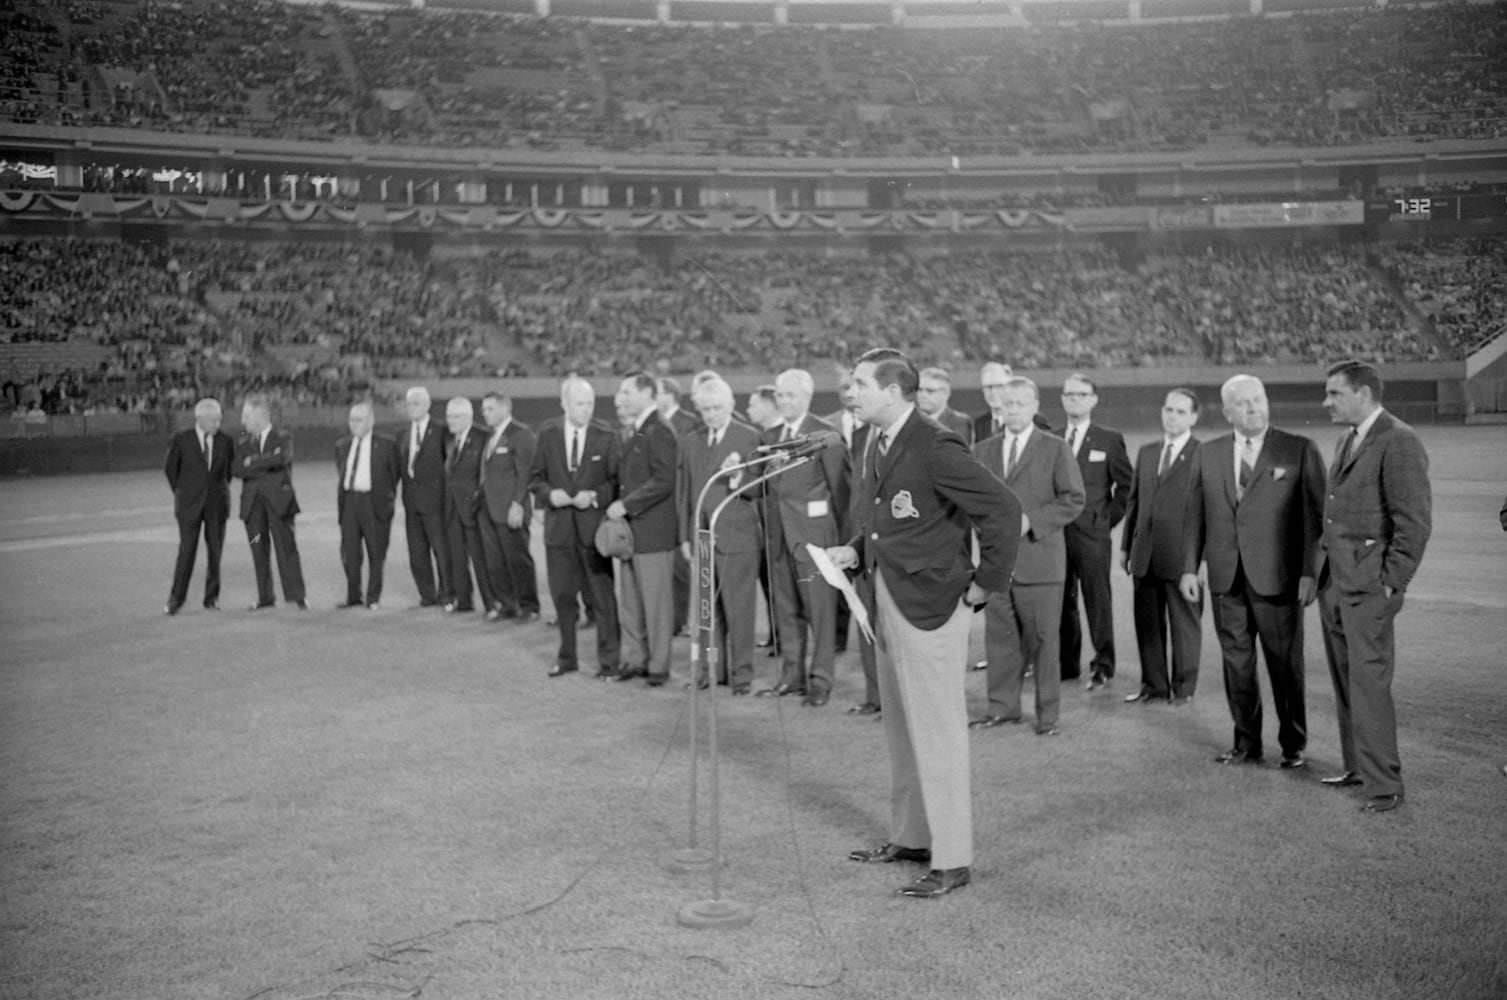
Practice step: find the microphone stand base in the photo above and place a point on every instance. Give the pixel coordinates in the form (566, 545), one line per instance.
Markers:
(716, 913)
(688, 859)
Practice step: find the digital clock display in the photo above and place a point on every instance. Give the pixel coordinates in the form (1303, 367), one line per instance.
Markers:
(1413, 208)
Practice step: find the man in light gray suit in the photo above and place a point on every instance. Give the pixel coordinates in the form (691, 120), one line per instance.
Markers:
(1022, 624)
(1377, 521)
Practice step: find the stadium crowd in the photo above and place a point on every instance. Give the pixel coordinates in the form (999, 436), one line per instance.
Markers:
(467, 78)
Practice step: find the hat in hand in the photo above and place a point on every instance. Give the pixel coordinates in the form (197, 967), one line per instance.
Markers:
(614, 539)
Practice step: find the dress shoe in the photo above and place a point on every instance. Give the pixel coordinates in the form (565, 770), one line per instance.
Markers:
(780, 691)
(991, 721)
(656, 680)
(428, 602)
(603, 674)
(1292, 761)
(740, 690)
(560, 670)
(937, 882)
(372, 606)
(526, 617)
(867, 708)
(1097, 680)
(343, 605)
(262, 607)
(301, 605)
(1181, 700)
(455, 607)
(630, 674)
(1047, 731)
(1234, 755)
(816, 699)
(887, 853)
(1144, 696)
(211, 605)
(494, 614)
(702, 686)
(1347, 780)
(1381, 803)
(171, 609)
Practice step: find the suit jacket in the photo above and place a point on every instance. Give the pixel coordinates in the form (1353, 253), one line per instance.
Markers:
(1156, 512)
(463, 475)
(1379, 512)
(1272, 535)
(683, 421)
(266, 472)
(809, 503)
(646, 485)
(738, 528)
(1046, 481)
(386, 470)
(551, 471)
(1104, 464)
(914, 511)
(199, 490)
(424, 491)
(954, 420)
(505, 471)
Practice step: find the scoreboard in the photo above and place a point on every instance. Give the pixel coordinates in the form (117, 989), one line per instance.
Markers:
(1430, 208)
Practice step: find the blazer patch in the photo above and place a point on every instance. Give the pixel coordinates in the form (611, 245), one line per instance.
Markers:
(902, 505)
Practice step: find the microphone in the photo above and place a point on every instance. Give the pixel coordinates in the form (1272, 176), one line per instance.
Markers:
(800, 447)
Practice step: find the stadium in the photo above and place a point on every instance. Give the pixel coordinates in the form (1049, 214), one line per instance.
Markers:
(331, 203)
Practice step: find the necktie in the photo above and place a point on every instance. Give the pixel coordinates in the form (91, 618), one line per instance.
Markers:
(788, 433)
(1013, 456)
(575, 450)
(413, 449)
(1072, 439)
(711, 440)
(1161, 467)
(1245, 466)
(455, 449)
(350, 465)
(1345, 446)
(209, 450)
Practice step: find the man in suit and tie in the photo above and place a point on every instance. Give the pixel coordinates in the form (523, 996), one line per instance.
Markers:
(1151, 551)
(1022, 622)
(722, 444)
(198, 473)
(1255, 514)
(912, 542)
(422, 449)
(463, 506)
(506, 511)
(764, 413)
(368, 468)
(993, 377)
(932, 399)
(574, 478)
(264, 462)
(1104, 464)
(681, 422)
(809, 504)
(1377, 521)
(646, 500)
(854, 433)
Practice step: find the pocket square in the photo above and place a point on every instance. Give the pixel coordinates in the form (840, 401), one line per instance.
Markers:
(1279, 473)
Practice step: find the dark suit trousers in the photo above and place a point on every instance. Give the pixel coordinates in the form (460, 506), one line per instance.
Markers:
(428, 555)
(510, 568)
(680, 583)
(267, 533)
(1241, 618)
(1358, 639)
(467, 554)
(573, 570)
(806, 611)
(737, 588)
(1160, 610)
(360, 528)
(1021, 625)
(188, 551)
(1088, 558)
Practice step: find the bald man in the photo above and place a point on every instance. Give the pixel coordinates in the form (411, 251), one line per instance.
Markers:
(198, 473)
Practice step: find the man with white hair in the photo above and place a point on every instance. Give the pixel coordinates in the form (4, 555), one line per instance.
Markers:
(463, 503)
(722, 444)
(198, 473)
(368, 467)
(1256, 514)
(808, 505)
(422, 450)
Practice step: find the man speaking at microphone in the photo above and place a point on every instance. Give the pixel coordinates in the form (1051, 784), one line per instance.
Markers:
(918, 492)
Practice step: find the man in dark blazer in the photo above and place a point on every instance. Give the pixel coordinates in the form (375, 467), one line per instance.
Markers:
(463, 506)
(574, 478)
(646, 500)
(681, 422)
(1022, 621)
(1255, 515)
(932, 399)
(808, 504)
(1377, 521)
(912, 541)
(198, 473)
(1151, 551)
(1104, 465)
(506, 510)
(264, 463)
(723, 443)
(367, 469)
(422, 449)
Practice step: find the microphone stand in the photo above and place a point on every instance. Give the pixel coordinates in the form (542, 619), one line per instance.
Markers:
(716, 911)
